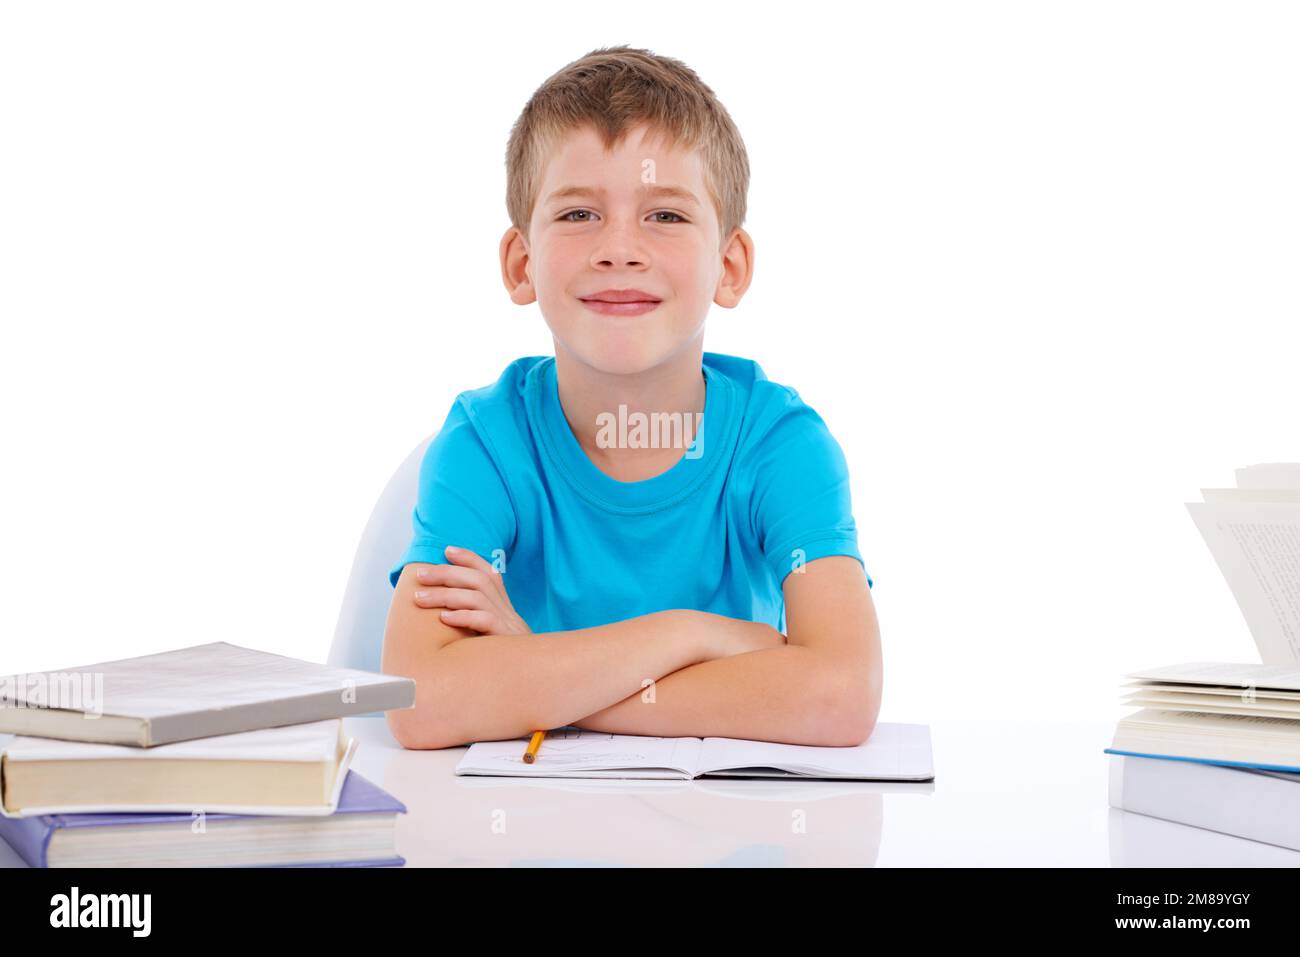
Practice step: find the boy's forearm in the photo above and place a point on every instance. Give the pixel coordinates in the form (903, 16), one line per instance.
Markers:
(784, 694)
(496, 687)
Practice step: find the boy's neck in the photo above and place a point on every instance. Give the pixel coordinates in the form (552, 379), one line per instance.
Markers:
(586, 393)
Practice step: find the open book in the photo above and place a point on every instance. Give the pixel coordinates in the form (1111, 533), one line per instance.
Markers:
(894, 752)
(1253, 532)
(1211, 687)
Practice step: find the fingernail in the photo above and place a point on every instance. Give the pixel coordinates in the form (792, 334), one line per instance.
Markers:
(451, 548)
(421, 594)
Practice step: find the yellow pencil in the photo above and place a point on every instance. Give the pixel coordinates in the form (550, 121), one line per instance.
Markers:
(531, 754)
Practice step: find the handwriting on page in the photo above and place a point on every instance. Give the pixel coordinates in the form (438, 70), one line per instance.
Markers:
(570, 746)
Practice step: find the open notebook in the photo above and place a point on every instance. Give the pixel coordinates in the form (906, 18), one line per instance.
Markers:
(894, 752)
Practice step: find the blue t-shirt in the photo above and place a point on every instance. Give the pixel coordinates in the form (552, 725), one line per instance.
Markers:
(763, 489)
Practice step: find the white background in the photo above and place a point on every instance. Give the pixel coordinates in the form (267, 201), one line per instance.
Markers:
(1034, 263)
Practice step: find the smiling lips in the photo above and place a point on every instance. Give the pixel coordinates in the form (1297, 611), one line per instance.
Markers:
(620, 302)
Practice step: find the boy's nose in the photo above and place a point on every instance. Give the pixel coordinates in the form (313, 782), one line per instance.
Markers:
(619, 261)
(619, 246)
(619, 254)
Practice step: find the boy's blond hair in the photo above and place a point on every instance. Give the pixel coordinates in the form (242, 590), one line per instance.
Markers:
(613, 89)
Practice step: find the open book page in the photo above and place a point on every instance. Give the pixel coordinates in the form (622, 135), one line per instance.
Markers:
(894, 752)
(1221, 691)
(1257, 547)
(1225, 674)
(1269, 475)
(1230, 495)
(1245, 703)
(575, 753)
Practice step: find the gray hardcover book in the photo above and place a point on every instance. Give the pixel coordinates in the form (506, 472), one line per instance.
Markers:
(195, 692)
(1256, 804)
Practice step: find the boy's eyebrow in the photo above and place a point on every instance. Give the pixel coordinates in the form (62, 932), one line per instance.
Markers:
(657, 191)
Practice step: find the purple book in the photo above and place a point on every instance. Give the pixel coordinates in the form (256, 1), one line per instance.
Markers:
(30, 836)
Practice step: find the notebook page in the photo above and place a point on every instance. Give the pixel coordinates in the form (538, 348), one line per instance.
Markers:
(574, 752)
(893, 752)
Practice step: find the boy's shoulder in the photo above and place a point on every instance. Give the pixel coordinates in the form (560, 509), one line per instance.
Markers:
(509, 385)
(748, 375)
(764, 403)
(503, 402)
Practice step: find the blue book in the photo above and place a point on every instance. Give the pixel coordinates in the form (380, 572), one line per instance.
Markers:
(1247, 765)
(365, 820)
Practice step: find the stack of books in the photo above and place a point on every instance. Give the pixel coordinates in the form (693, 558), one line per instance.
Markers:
(209, 756)
(1217, 745)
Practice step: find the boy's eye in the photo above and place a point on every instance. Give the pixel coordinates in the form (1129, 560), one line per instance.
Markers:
(587, 214)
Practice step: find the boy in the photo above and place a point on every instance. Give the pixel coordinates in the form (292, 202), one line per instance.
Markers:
(565, 571)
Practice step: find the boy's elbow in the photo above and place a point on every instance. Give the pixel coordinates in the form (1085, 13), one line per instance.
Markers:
(448, 712)
(415, 646)
(417, 731)
(432, 722)
(852, 708)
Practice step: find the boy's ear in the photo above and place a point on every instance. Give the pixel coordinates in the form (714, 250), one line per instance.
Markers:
(514, 267)
(737, 269)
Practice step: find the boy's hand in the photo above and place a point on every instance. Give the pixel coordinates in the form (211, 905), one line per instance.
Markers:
(471, 595)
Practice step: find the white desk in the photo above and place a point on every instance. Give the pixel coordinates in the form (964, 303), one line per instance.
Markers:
(1029, 794)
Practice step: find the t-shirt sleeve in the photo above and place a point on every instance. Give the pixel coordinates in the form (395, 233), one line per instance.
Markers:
(462, 499)
(802, 506)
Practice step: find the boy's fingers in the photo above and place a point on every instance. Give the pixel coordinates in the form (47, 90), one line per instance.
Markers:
(468, 559)
(448, 598)
(480, 621)
(454, 575)
(463, 556)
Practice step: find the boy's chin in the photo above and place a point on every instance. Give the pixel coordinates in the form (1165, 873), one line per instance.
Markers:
(627, 353)
(623, 359)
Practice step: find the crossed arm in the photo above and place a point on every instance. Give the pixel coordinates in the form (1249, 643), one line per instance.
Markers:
(822, 687)
(672, 673)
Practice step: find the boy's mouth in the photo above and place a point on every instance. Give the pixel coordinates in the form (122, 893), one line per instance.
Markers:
(620, 302)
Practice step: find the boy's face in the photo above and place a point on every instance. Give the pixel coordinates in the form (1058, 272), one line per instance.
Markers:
(639, 218)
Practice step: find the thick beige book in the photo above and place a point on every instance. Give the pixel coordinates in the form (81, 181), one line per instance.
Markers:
(190, 693)
(295, 770)
(1231, 739)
